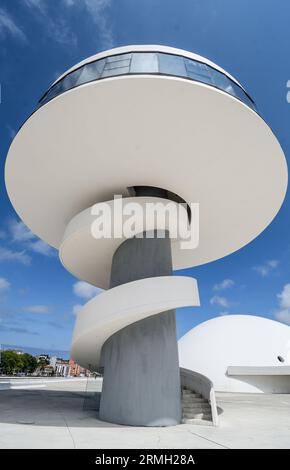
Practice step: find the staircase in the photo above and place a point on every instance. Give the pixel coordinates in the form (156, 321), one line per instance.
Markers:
(195, 408)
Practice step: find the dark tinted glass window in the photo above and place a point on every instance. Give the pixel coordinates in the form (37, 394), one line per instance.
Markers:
(198, 71)
(117, 64)
(54, 91)
(147, 62)
(91, 71)
(143, 62)
(197, 68)
(70, 80)
(222, 82)
(115, 71)
(239, 93)
(115, 58)
(172, 64)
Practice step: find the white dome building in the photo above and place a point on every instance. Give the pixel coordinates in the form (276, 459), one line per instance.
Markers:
(239, 353)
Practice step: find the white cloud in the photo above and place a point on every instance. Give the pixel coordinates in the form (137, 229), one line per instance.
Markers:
(225, 284)
(37, 309)
(84, 290)
(19, 231)
(70, 3)
(11, 132)
(96, 9)
(60, 32)
(284, 297)
(76, 308)
(16, 329)
(55, 27)
(97, 12)
(283, 314)
(8, 27)
(218, 300)
(4, 285)
(265, 269)
(39, 246)
(21, 234)
(40, 4)
(9, 255)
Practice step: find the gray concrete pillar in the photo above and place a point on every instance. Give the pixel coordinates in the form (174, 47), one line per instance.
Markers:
(141, 383)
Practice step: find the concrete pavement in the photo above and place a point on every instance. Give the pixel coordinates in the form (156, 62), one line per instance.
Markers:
(60, 416)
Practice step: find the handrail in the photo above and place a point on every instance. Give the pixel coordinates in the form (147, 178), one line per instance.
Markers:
(203, 385)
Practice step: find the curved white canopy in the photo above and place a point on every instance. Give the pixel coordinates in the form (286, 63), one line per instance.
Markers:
(96, 140)
(90, 258)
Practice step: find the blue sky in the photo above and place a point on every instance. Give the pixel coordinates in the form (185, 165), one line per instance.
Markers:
(40, 39)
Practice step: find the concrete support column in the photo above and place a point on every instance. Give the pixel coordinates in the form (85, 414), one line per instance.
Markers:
(141, 370)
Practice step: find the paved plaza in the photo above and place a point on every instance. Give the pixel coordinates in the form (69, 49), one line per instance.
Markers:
(63, 415)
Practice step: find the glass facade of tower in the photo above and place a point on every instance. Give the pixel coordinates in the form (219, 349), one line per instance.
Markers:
(152, 63)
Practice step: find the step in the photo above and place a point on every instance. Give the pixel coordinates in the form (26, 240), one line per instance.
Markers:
(194, 395)
(195, 411)
(198, 407)
(195, 403)
(191, 393)
(199, 422)
(198, 402)
(199, 415)
(189, 399)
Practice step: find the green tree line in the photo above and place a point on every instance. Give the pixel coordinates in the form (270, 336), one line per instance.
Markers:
(13, 363)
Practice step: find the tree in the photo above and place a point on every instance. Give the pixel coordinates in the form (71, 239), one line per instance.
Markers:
(42, 363)
(10, 362)
(13, 362)
(29, 363)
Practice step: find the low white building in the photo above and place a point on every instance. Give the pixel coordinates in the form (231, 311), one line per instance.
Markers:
(53, 361)
(239, 353)
(61, 367)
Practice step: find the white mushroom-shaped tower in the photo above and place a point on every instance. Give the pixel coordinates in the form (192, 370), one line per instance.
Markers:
(150, 124)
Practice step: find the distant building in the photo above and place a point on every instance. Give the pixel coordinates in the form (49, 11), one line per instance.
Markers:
(62, 368)
(41, 357)
(78, 371)
(53, 361)
(46, 371)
